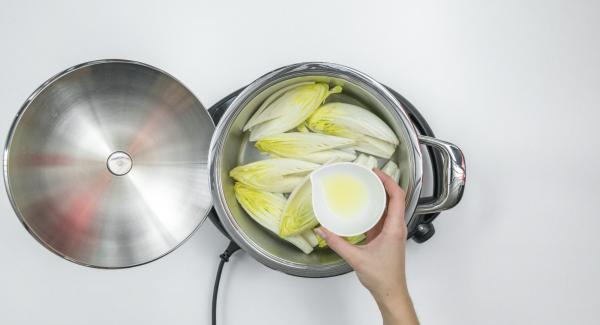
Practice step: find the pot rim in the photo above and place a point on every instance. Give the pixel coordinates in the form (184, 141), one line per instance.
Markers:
(256, 87)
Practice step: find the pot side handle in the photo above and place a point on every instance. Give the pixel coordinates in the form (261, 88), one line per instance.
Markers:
(454, 175)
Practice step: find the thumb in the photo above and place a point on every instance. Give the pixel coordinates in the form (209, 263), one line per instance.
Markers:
(343, 248)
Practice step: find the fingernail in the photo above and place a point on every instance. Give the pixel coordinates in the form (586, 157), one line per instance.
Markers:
(321, 233)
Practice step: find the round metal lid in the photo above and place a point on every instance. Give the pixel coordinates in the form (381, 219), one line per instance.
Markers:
(106, 164)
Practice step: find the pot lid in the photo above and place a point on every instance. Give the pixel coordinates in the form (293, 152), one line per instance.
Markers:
(106, 164)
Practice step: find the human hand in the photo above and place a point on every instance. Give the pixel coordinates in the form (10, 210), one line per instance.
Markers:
(379, 264)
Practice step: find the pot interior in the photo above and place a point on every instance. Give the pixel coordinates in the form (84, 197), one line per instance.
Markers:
(237, 150)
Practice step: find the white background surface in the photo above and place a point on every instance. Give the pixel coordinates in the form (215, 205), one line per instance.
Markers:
(516, 84)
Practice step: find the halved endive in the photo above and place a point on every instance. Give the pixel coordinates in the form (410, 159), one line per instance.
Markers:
(298, 215)
(392, 170)
(287, 109)
(373, 136)
(266, 208)
(310, 237)
(352, 240)
(367, 161)
(279, 175)
(314, 147)
(254, 120)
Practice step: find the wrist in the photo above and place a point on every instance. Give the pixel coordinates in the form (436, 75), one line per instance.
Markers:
(396, 307)
(391, 296)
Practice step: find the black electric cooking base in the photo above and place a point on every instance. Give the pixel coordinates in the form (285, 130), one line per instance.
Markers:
(419, 227)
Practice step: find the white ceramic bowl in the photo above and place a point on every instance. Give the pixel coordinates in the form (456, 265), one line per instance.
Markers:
(360, 191)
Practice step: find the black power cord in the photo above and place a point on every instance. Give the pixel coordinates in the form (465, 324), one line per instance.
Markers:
(231, 248)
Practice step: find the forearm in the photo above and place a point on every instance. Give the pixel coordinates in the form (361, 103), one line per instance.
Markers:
(396, 308)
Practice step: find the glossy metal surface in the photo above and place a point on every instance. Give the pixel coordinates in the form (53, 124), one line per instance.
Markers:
(105, 164)
(229, 147)
(454, 176)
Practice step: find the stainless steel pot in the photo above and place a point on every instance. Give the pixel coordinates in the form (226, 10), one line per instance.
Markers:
(229, 147)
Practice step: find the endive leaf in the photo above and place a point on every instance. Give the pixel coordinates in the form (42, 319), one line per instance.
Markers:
(289, 110)
(321, 242)
(375, 147)
(361, 160)
(298, 145)
(392, 170)
(280, 175)
(254, 120)
(372, 162)
(265, 208)
(310, 237)
(372, 134)
(366, 161)
(298, 214)
(302, 128)
(352, 240)
(329, 156)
